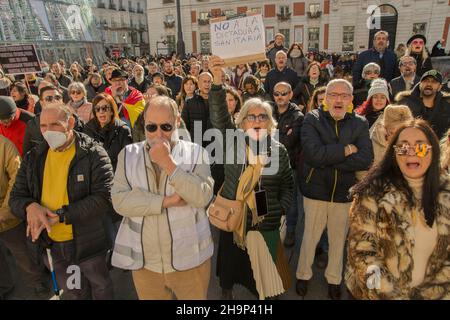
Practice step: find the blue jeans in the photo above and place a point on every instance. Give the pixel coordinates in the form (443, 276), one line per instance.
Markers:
(296, 209)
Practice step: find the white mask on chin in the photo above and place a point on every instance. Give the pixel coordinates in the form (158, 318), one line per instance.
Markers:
(55, 139)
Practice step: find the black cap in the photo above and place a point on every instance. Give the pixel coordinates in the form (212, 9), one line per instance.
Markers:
(432, 73)
(118, 73)
(416, 36)
(7, 108)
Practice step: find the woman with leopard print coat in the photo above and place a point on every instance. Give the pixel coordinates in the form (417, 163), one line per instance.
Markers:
(399, 239)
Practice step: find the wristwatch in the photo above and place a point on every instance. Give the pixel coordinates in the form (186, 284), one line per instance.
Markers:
(61, 214)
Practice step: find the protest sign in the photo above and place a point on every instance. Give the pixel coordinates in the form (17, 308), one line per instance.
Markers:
(240, 40)
(19, 59)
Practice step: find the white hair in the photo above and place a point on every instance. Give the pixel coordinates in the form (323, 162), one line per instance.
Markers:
(255, 103)
(77, 86)
(281, 52)
(336, 82)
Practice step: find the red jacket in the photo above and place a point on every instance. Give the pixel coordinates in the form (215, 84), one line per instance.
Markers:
(16, 130)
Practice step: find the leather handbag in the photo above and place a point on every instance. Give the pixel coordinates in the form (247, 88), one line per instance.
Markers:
(225, 214)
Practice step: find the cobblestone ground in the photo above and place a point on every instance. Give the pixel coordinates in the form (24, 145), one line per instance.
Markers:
(124, 288)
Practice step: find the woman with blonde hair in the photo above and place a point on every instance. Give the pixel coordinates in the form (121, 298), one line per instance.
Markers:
(417, 49)
(252, 255)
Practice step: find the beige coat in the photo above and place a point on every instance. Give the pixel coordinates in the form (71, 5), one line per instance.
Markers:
(195, 188)
(9, 165)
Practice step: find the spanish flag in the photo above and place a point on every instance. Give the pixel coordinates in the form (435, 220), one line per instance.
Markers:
(132, 106)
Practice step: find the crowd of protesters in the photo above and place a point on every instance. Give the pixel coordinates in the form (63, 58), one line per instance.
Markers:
(94, 167)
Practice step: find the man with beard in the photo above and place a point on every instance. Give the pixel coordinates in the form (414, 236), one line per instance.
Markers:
(381, 55)
(139, 81)
(130, 101)
(428, 102)
(173, 81)
(161, 188)
(408, 78)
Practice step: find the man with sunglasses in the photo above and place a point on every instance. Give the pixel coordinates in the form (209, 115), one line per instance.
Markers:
(48, 96)
(428, 102)
(13, 122)
(289, 119)
(380, 54)
(161, 188)
(335, 144)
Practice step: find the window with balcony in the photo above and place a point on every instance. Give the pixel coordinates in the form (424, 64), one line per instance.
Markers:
(314, 11)
(112, 5)
(256, 10)
(284, 13)
(100, 4)
(229, 13)
(348, 38)
(203, 18)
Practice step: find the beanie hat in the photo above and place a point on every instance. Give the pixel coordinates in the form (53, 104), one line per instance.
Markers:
(394, 115)
(7, 108)
(378, 86)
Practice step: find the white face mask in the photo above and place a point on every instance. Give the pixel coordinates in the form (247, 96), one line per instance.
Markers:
(55, 139)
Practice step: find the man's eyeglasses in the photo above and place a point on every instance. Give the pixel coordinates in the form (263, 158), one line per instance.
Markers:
(260, 117)
(283, 94)
(102, 109)
(53, 98)
(409, 63)
(166, 127)
(420, 150)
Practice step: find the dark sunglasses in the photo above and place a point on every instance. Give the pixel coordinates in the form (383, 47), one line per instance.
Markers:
(102, 108)
(51, 98)
(76, 92)
(283, 94)
(166, 127)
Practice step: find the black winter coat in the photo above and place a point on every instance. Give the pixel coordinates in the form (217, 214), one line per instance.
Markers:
(196, 110)
(398, 85)
(89, 198)
(274, 76)
(304, 91)
(438, 116)
(113, 137)
(141, 87)
(326, 174)
(290, 120)
(278, 186)
(92, 91)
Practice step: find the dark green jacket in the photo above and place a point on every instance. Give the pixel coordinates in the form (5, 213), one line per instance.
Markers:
(277, 183)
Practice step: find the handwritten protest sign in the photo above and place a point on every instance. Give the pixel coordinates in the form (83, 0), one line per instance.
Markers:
(19, 59)
(239, 40)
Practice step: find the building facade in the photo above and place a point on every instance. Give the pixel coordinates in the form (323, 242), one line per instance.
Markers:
(58, 28)
(324, 25)
(123, 26)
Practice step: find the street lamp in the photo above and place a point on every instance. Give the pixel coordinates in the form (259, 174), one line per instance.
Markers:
(180, 43)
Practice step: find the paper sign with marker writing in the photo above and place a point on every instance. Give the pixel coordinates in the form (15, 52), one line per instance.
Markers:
(239, 40)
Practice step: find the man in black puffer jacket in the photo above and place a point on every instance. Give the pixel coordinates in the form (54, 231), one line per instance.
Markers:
(336, 144)
(63, 188)
(289, 118)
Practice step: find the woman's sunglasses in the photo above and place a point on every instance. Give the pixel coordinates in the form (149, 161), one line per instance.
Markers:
(76, 92)
(420, 150)
(102, 109)
(166, 127)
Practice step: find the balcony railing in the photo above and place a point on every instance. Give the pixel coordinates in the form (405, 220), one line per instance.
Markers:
(314, 15)
(284, 16)
(122, 9)
(131, 10)
(169, 24)
(203, 22)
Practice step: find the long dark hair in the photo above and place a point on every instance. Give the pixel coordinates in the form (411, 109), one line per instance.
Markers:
(387, 173)
(296, 44)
